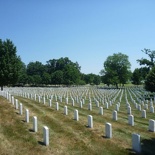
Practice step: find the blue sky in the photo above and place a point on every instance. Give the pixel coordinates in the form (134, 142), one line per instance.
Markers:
(86, 31)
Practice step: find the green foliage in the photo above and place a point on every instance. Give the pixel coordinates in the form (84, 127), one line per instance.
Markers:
(22, 78)
(46, 78)
(97, 80)
(92, 79)
(71, 75)
(150, 81)
(56, 71)
(149, 63)
(136, 77)
(35, 68)
(116, 69)
(57, 77)
(9, 63)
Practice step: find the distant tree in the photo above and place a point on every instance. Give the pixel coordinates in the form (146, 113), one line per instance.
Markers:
(35, 68)
(60, 64)
(97, 80)
(69, 71)
(9, 63)
(36, 73)
(37, 80)
(106, 78)
(144, 71)
(116, 69)
(150, 81)
(46, 78)
(136, 77)
(57, 77)
(149, 63)
(22, 78)
(89, 78)
(71, 75)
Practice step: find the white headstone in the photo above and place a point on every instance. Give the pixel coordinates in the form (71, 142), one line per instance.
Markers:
(39, 99)
(97, 103)
(139, 107)
(146, 106)
(114, 114)
(44, 100)
(152, 125)
(76, 115)
(129, 110)
(35, 124)
(72, 102)
(131, 120)
(101, 110)
(90, 121)
(90, 106)
(65, 110)
(152, 109)
(50, 103)
(136, 146)
(16, 104)
(81, 104)
(57, 106)
(107, 105)
(117, 107)
(108, 130)
(27, 116)
(20, 109)
(13, 100)
(67, 100)
(46, 135)
(143, 113)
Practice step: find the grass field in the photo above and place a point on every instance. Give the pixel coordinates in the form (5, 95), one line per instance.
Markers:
(71, 137)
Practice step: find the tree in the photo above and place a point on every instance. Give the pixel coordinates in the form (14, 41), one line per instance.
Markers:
(116, 69)
(9, 63)
(150, 81)
(71, 75)
(57, 77)
(149, 63)
(46, 78)
(35, 72)
(136, 77)
(97, 80)
(35, 68)
(22, 78)
(63, 71)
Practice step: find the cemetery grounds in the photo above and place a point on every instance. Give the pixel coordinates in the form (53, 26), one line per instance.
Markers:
(67, 135)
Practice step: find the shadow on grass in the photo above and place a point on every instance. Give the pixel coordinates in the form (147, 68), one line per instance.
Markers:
(31, 130)
(147, 147)
(103, 136)
(131, 152)
(41, 143)
(17, 113)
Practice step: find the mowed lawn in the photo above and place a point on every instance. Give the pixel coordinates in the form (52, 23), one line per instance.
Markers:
(68, 136)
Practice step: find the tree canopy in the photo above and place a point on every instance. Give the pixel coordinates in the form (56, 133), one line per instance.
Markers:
(9, 63)
(116, 69)
(149, 63)
(150, 81)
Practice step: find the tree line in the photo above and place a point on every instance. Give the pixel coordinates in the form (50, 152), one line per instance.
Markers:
(60, 71)
(116, 70)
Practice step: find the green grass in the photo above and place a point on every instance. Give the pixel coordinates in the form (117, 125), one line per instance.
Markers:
(68, 136)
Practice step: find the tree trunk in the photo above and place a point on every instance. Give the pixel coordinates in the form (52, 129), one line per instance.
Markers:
(1, 88)
(117, 85)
